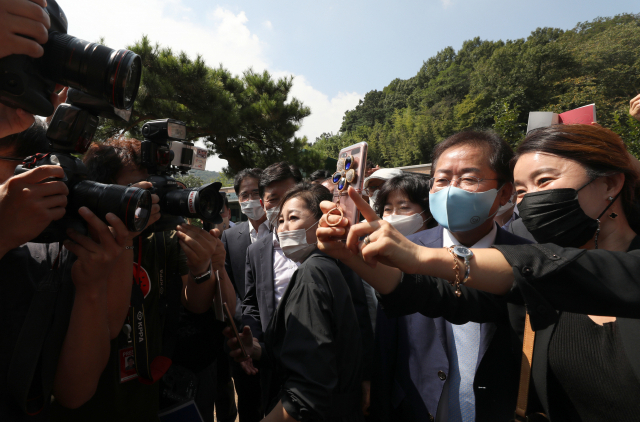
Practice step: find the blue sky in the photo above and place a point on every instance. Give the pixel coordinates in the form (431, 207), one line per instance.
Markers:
(337, 50)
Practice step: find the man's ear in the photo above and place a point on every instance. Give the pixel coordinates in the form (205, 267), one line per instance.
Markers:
(505, 193)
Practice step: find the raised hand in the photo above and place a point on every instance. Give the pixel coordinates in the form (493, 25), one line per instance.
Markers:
(381, 241)
(24, 27)
(199, 246)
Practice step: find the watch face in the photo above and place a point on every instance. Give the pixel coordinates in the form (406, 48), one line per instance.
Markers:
(462, 251)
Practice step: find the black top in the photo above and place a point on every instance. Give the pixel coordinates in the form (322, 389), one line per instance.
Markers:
(584, 357)
(27, 274)
(552, 281)
(312, 358)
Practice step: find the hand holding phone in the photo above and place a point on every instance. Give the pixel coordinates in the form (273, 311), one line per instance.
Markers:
(350, 171)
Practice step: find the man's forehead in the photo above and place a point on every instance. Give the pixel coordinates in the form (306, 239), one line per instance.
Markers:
(248, 183)
(470, 158)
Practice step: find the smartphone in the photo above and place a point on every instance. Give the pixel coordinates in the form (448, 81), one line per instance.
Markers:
(232, 324)
(355, 158)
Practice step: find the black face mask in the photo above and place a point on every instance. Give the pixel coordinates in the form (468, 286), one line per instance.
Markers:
(555, 216)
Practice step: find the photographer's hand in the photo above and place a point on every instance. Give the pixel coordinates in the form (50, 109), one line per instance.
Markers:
(85, 350)
(202, 249)
(28, 203)
(97, 253)
(155, 208)
(24, 25)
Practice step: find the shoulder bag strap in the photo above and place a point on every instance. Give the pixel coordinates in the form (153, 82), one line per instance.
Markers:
(525, 371)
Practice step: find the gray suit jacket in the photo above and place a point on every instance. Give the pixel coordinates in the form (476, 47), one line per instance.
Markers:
(236, 240)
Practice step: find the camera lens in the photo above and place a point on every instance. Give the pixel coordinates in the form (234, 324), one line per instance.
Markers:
(204, 202)
(98, 70)
(131, 205)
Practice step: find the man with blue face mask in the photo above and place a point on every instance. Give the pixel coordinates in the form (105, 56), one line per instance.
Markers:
(454, 370)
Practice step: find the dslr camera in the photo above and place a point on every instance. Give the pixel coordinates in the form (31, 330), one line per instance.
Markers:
(164, 153)
(106, 84)
(71, 132)
(111, 75)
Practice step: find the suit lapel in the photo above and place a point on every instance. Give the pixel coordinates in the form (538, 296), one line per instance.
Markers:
(266, 274)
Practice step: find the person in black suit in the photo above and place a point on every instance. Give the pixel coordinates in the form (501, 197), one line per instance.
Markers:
(311, 357)
(236, 240)
(577, 187)
(268, 271)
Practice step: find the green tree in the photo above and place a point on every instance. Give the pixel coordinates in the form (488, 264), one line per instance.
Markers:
(495, 84)
(248, 120)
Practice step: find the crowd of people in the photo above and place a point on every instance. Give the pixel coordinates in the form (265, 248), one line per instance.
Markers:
(503, 285)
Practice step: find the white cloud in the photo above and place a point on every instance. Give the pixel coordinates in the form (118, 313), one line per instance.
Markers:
(223, 38)
(326, 113)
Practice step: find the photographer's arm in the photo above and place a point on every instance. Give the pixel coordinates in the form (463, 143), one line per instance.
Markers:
(203, 249)
(85, 350)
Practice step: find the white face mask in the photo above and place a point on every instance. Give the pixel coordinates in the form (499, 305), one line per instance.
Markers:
(252, 209)
(506, 207)
(294, 244)
(406, 224)
(272, 215)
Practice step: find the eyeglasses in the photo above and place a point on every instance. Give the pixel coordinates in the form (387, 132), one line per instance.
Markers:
(245, 196)
(468, 183)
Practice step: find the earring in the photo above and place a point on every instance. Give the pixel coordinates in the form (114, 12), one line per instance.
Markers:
(610, 198)
(613, 215)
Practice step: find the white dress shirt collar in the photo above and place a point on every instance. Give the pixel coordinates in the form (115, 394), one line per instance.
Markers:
(263, 230)
(486, 242)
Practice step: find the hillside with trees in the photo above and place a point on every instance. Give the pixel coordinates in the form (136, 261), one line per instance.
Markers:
(494, 84)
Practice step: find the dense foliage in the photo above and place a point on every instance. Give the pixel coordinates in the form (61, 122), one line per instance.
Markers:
(494, 84)
(248, 120)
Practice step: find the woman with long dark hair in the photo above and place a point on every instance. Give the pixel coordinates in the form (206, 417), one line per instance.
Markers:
(577, 188)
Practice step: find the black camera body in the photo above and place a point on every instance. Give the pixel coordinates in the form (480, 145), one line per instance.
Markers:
(111, 75)
(203, 202)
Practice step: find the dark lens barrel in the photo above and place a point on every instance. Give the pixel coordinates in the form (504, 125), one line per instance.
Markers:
(98, 70)
(204, 202)
(131, 205)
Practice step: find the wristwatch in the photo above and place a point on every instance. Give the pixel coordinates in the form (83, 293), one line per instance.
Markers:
(203, 277)
(466, 254)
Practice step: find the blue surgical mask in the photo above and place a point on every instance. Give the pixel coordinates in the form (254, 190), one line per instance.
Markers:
(458, 210)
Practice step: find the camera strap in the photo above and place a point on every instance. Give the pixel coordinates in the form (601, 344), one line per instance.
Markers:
(149, 369)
